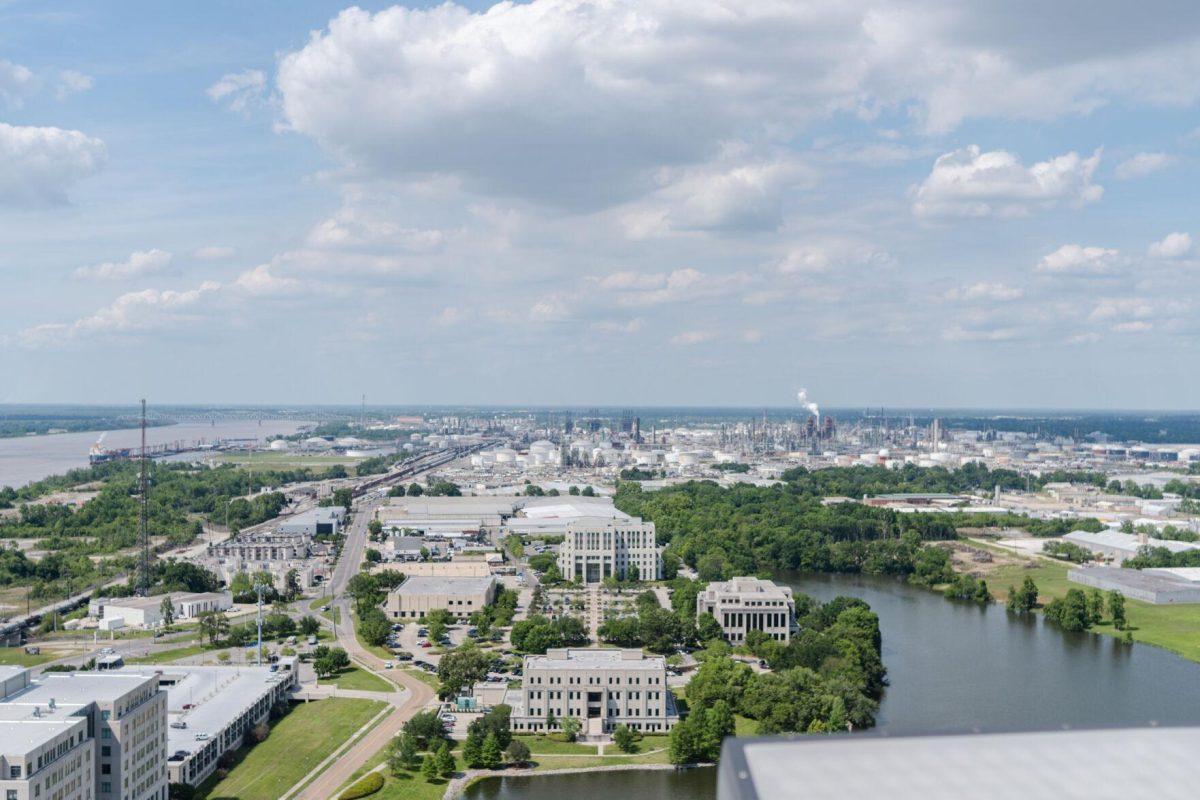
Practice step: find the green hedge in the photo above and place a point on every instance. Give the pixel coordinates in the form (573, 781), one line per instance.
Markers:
(367, 785)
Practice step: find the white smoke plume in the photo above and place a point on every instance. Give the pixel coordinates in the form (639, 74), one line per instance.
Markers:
(812, 407)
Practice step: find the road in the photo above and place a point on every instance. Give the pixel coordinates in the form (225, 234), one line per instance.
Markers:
(418, 694)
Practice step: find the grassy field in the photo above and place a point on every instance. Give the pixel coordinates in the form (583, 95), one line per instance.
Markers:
(1174, 627)
(285, 460)
(17, 657)
(297, 743)
(174, 654)
(424, 677)
(359, 679)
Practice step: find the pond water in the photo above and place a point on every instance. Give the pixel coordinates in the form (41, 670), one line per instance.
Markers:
(951, 667)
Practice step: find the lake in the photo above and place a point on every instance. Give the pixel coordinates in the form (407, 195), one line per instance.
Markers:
(25, 459)
(951, 667)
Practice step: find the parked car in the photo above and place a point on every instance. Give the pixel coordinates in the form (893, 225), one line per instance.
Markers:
(179, 724)
(388, 665)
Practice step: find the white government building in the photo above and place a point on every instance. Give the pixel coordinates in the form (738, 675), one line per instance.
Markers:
(741, 605)
(595, 548)
(602, 688)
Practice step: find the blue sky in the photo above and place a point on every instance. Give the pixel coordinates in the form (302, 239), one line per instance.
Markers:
(891, 203)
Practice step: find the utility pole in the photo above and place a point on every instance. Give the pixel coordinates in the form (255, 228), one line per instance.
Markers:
(143, 522)
(259, 589)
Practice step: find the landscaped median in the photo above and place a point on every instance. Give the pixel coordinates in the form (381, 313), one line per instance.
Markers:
(297, 744)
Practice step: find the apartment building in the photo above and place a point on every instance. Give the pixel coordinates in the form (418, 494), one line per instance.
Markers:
(602, 688)
(741, 605)
(85, 736)
(595, 548)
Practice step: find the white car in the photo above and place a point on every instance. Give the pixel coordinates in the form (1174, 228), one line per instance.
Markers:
(388, 665)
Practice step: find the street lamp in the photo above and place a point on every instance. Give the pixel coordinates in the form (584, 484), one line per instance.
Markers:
(260, 589)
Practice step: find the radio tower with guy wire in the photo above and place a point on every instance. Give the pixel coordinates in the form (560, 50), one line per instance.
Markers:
(143, 520)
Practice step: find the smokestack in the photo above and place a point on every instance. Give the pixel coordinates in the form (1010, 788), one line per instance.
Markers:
(812, 407)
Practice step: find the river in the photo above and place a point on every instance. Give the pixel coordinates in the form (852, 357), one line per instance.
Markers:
(951, 667)
(25, 459)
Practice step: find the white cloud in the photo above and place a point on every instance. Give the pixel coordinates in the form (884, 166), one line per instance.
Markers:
(1142, 164)
(1174, 245)
(580, 103)
(1074, 259)
(139, 263)
(1138, 326)
(612, 327)
(351, 227)
(212, 252)
(39, 165)
(72, 82)
(996, 292)
(239, 90)
(262, 281)
(658, 288)
(1126, 307)
(828, 255)
(972, 183)
(16, 83)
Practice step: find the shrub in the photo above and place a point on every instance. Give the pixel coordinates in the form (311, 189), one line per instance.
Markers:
(367, 785)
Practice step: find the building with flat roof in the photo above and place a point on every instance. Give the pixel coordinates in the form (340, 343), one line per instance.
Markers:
(146, 612)
(461, 596)
(602, 688)
(595, 548)
(322, 521)
(1118, 547)
(210, 710)
(85, 735)
(741, 605)
(1157, 586)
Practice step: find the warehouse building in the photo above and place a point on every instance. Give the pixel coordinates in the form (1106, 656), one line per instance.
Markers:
(461, 596)
(602, 688)
(1157, 586)
(146, 612)
(743, 604)
(1118, 547)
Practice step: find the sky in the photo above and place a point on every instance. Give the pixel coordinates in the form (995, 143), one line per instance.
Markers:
(601, 202)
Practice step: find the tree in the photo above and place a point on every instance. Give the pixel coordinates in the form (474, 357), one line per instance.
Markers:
(427, 728)
(492, 757)
(403, 754)
(213, 625)
(291, 584)
(437, 621)
(309, 625)
(166, 610)
(573, 491)
(1023, 600)
(461, 668)
(1116, 607)
(375, 528)
(1095, 607)
(374, 627)
(625, 738)
(1070, 612)
(445, 760)
(517, 752)
(415, 490)
(571, 726)
(373, 556)
(473, 749)
(708, 629)
(429, 768)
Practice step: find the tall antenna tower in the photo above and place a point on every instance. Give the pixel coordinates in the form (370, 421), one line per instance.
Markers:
(143, 520)
(362, 414)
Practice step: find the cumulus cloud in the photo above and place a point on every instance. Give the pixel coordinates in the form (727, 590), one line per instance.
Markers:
(39, 165)
(636, 290)
(1074, 259)
(238, 91)
(1142, 164)
(139, 263)
(16, 83)
(1173, 245)
(352, 227)
(72, 82)
(580, 102)
(829, 255)
(972, 183)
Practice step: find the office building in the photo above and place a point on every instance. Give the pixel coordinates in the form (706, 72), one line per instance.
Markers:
(595, 548)
(146, 612)
(460, 596)
(602, 688)
(742, 605)
(82, 736)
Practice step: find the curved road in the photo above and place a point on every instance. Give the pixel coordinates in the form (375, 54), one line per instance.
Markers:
(418, 693)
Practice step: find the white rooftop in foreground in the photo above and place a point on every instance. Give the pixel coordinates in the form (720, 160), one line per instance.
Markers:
(1060, 765)
(594, 658)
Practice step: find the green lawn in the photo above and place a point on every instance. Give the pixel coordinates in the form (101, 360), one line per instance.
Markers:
(546, 745)
(174, 654)
(1172, 627)
(17, 657)
(359, 679)
(423, 676)
(297, 743)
